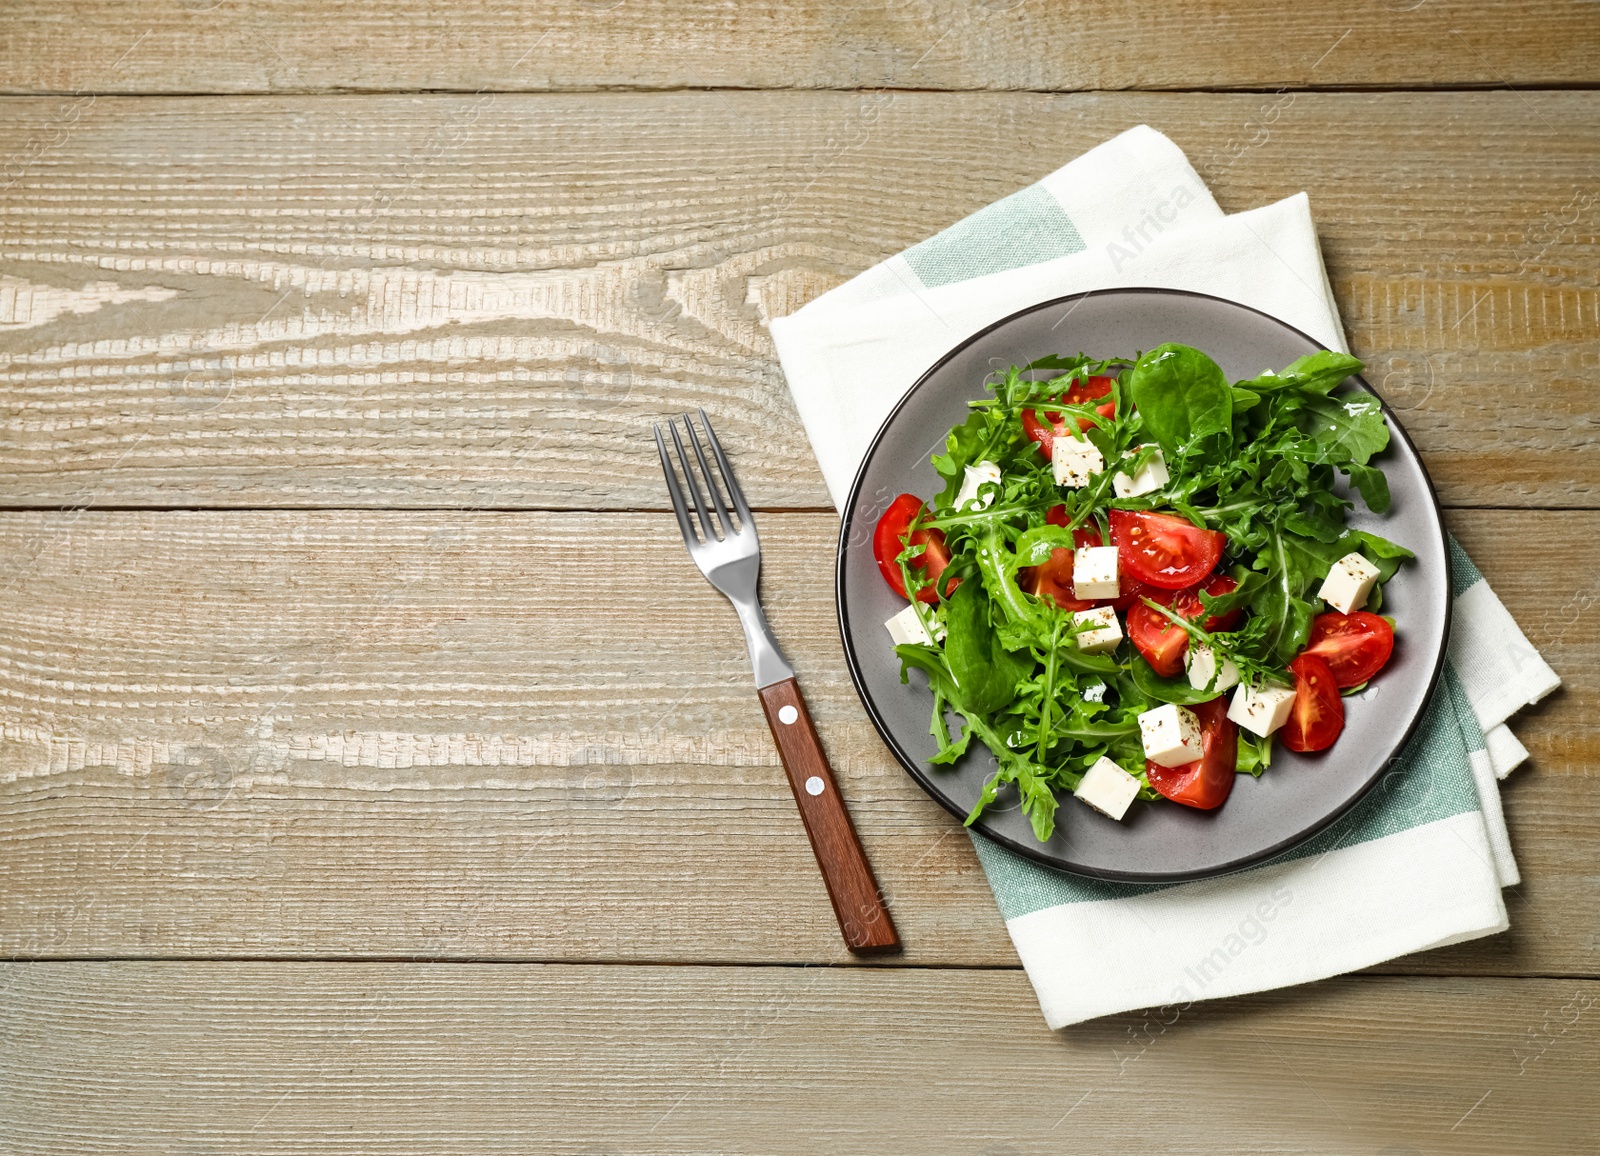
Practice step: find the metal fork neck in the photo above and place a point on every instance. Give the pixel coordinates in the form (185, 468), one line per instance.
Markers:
(768, 661)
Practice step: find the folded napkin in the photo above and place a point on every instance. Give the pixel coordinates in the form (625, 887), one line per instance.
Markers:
(1421, 861)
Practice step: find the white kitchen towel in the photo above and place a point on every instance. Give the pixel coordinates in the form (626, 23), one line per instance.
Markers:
(1420, 862)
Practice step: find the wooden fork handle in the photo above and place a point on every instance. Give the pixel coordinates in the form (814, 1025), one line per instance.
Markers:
(857, 902)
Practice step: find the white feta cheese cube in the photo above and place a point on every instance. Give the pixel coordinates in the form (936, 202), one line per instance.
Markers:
(1146, 479)
(1171, 735)
(906, 629)
(1105, 632)
(1094, 572)
(1107, 788)
(1201, 662)
(1094, 692)
(1075, 460)
(1263, 709)
(1349, 583)
(976, 476)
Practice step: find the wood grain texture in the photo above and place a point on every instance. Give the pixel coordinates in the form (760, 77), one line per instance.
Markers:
(374, 734)
(298, 1058)
(480, 301)
(492, 736)
(235, 46)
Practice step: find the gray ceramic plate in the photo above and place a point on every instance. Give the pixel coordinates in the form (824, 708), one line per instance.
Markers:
(1299, 794)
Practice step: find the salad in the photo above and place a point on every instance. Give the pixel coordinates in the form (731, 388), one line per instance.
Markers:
(1138, 574)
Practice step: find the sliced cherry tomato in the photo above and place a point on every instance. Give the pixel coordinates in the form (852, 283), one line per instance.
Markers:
(889, 539)
(1317, 716)
(1355, 646)
(1205, 783)
(1158, 638)
(1187, 603)
(1163, 549)
(1044, 425)
(1135, 592)
(1053, 580)
(1082, 536)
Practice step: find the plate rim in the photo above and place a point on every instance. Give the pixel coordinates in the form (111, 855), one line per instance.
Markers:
(923, 778)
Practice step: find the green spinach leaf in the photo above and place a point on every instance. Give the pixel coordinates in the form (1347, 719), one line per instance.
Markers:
(1348, 428)
(984, 673)
(1182, 397)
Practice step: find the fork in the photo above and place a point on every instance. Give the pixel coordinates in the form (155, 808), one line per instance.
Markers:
(728, 553)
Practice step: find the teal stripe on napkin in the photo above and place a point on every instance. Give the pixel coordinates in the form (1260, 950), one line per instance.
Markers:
(1463, 574)
(1025, 228)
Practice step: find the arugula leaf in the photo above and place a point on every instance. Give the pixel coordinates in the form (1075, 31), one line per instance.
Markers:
(1182, 396)
(1035, 546)
(927, 660)
(963, 445)
(1034, 790)
(1255, 755)
(1249, 583)
(998, 567)
(950, 751)
(1314, 373)
(1371, 485)
(1315, 522)
(1158, 689)
(1381, 552)
(1056, 361)
(1039, 804)
(1292, 564)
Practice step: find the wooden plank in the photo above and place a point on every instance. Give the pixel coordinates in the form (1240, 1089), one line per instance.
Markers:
(492, 45)
(481, 1058)
(534, 737)
(481, 301)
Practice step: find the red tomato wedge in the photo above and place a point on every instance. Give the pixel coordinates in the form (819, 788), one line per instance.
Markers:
(1355, 646)
(1044, 426)
(1317, 716)
(1157, 637)
(889, 539)
(1053, 580)
(1163, 549)
(1135, 592)
(1132, 589)
(1205, 783)
(1187, 603)
(1082, 536)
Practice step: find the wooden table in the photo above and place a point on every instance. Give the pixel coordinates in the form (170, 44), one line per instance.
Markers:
(378, 776)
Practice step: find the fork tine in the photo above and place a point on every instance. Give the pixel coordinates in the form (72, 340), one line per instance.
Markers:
(711, 478)
(727, 473)
(694, 487)
(673, 489)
